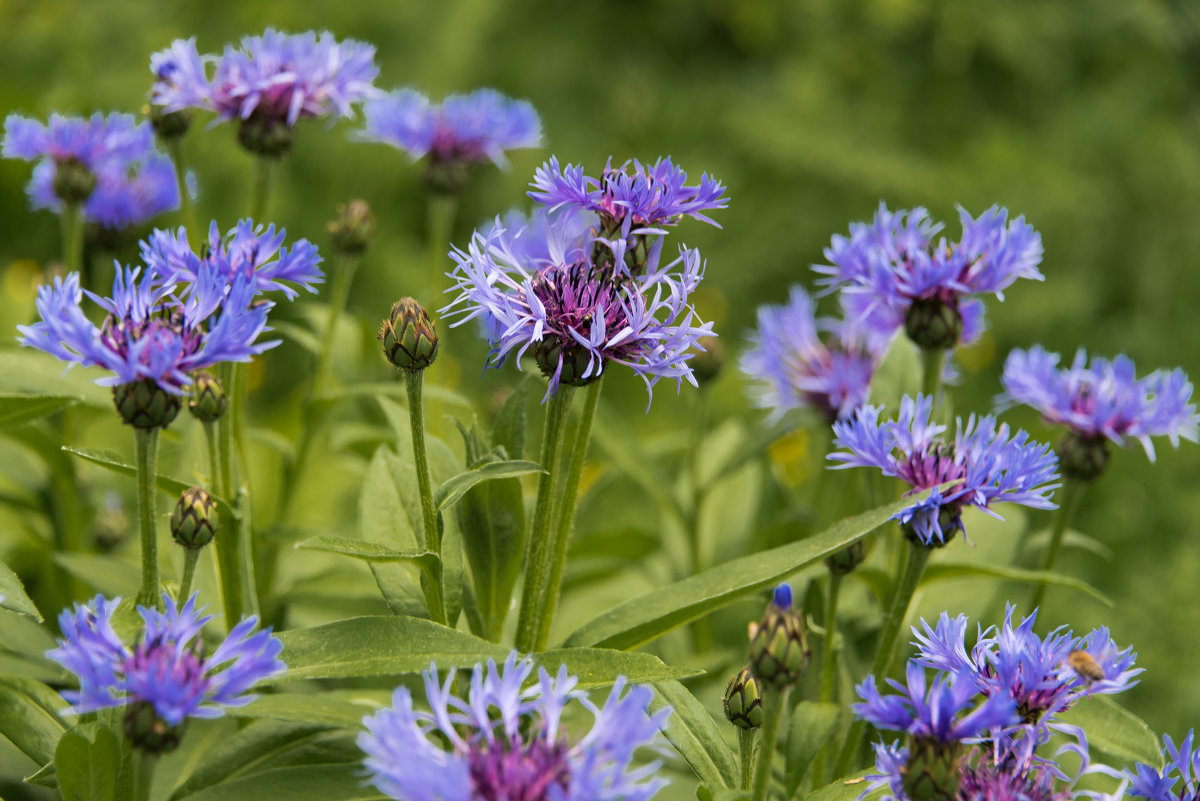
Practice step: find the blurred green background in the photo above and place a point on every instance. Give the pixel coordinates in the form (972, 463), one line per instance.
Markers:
(1081, 116)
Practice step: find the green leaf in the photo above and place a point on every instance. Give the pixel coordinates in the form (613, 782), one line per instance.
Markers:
(380, 646)
(28, 372)
(108, 575)
(940, 571)
(12, 594)
(600, 667)
(427, 561)
(343, 708)
(389, 486)
(848, 788)
(453, 489)
(18, 410)
(1115, 730)
(88, 767)
(113, 462)
(810, 729)
(337, 782)
(298, 334)
(508, 429)
(696, 736)
(641, 620)
(29, 717)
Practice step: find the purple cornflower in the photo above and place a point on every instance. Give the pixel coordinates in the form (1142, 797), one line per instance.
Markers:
(255, 254)
(536, 287)
(507, 743)
(794, 368)
(468, 128)
(1104, 400)
(125, 195)
(150, 333)
(276, 76)
(1180, 764)
(924, 285)
(165, 667)
(984, 463)
(1043, 676)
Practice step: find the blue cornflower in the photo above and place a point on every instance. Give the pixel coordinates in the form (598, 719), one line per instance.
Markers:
(125, 195)
(506, 742)
(536, 287)
(925, 285)
(794, 368)
(985, 464)
(1104, 400)
(255, 254)
(1180, 763)
(1043, 676)
(467, 128)
(165, 668)
(151, 333)
(180, 77)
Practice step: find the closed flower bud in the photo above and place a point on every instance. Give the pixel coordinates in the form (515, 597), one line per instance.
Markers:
(144, 404)
(194, 522)
(354, 227)
(575, 362)
(447, 177)
(149, 733)
(933, 324)
(949, 520)
(409, 338)
(844, 561)
(168, 125)
(73, 182)
(933, 769)
(208, 399)
(743, 702)
(1082, 458)
(265, 135)
(779, 643)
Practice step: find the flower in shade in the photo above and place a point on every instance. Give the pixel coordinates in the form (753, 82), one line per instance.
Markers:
(467, 128)
(923, 284)
(1179, 777)
(150, 333)
(983, 462)
(125, 195)
(1042, 675)
(536, 289)
(1103, 400)
(166, 667)
(505, 742)
(256, 254)
(793, 367)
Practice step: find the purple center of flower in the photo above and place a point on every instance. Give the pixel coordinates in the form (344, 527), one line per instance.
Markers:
(167, 672)
(162, 330)
(935, 466)
(1009, 781)
(518, 771)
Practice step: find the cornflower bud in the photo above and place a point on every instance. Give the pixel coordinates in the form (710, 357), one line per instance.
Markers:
(933, 769)
(779, 643)
(265, 135)
(743, 701)
(1082, 457)
(148, 732)
(208, 400)
(168, 125)
(354, 227)
(194, 522)
(933, 323)
(844, 561)
(410, 340)
(144, 404)
(73, 181)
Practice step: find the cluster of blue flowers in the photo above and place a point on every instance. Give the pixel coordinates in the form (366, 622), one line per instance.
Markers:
(1000, 700)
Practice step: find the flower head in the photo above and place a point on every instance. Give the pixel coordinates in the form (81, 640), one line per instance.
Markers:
(95, 142)
(1043, 675)
(506, 743)
(794, 367)
(985, 464)
(468, 128)
(1179, 778)
(1103, 400)
(150, 333)
(125, 195)
(249, 251)
(536, 288)
(923, 284)
(165, 667)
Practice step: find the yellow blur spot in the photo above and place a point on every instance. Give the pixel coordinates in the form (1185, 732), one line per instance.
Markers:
(21, 280)
(790, 460)
(254, 375)
(979, 354)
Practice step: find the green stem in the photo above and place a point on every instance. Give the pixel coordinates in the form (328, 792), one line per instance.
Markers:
(434, 595)
(190, 557)
(829, 657)
(747, 742)
(186, 213)
(266, 169)
(343, 275)
(214, 458)
(146, 461)
(143, 774)
(532, 624)
(1071, 494)
(237, 596)
(71, 218)
(932, 361)
(442, 211)
(774, 704)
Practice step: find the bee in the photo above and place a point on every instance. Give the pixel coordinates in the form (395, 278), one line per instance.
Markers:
(1083, 664)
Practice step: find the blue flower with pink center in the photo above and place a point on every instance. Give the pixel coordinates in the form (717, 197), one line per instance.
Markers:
(507, 741)
(1179, 777)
